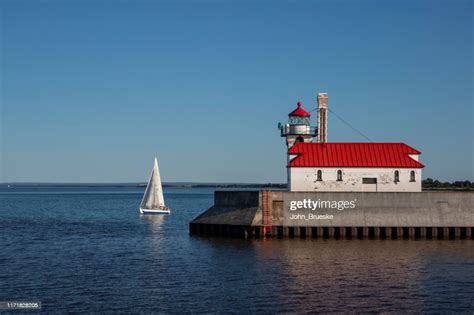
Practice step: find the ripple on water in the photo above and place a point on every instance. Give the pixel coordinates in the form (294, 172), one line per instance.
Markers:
(93, 252)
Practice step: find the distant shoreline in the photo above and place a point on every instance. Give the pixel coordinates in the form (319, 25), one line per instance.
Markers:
(168, 185)
(277, 186)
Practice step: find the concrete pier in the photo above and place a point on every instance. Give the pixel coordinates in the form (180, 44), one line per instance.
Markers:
(339, 215)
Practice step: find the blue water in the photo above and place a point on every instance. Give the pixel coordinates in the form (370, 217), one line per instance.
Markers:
(88, 250)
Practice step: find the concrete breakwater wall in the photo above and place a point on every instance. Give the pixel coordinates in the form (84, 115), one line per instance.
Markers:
(339, 215)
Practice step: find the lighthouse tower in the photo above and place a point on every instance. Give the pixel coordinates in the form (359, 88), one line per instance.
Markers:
(298, 128)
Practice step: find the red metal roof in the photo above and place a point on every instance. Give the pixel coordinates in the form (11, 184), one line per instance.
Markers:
(352, 154)
(299, 111)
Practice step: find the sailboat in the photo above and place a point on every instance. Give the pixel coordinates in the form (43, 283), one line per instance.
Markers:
(153, 201)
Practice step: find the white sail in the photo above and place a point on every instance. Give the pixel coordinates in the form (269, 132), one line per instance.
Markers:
(153, 197)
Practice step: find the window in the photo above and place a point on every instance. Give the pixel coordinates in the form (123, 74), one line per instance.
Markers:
(396, 177)
(296, 120)
(412, 176)
(369, 180)
(339, 176)
(319, 175)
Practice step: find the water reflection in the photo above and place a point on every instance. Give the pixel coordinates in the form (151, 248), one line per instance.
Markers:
(327, 275)
(155, 222)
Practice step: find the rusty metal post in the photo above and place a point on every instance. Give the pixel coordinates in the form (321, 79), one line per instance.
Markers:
(446, 233)
(342, 232)
(423, 232)
(399, 232)
(365, 232)
(377, 232)
(354, 232)
(457, 233)
(297, 232)
(331, 231)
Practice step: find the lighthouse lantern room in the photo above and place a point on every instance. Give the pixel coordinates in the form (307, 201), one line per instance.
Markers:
(298, 128)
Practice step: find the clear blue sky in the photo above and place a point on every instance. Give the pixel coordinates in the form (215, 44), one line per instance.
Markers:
(93, 90)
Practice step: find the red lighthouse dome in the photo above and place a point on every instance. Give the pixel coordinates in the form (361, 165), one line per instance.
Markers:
(299, 112)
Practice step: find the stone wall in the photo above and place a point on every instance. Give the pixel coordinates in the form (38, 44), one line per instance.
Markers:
(341, 215)
(370, 209)
(430, 209)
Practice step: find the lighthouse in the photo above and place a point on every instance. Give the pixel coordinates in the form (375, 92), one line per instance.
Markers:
(297, 130)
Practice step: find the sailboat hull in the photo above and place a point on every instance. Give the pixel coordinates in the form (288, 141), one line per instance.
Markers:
(155, 211)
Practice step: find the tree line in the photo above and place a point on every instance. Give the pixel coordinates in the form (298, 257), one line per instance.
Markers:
(431, 183)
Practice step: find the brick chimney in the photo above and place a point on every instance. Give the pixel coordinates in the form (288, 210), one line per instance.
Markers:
(322, 117)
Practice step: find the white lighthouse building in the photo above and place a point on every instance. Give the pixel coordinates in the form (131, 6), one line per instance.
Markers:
(345, 166)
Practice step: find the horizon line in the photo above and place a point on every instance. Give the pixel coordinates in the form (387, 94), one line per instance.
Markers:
(135, 183)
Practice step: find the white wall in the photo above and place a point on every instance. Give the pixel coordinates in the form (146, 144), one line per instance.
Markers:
(305, 179)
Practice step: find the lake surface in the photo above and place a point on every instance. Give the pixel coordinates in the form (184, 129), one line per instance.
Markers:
(89, 250)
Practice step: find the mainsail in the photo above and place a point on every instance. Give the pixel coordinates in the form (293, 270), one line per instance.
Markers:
(153, 197)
